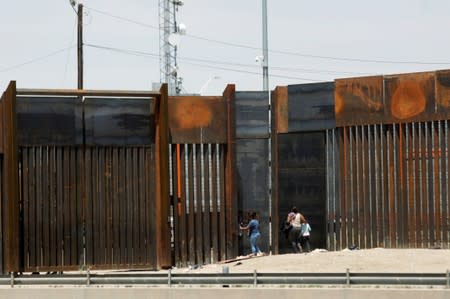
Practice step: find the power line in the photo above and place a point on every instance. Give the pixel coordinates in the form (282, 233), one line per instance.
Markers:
(289, 69)
(350, 59)
(156, 56)
(122, 18)
(35, 59)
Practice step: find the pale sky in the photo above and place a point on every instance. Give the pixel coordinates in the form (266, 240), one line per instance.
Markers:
(309, 41)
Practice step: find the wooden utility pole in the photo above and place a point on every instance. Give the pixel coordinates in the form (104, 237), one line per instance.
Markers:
(80, 46)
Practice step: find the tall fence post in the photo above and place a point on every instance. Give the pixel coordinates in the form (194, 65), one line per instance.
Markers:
(10, 204)
(163, 250)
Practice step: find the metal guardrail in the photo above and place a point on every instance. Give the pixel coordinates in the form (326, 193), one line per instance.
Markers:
(226, 279)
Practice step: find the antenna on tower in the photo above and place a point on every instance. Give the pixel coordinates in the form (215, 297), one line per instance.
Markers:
(169, 37)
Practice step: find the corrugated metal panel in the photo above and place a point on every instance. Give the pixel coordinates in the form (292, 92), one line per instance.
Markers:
(119, 121)
(252, 114)
(311, 107)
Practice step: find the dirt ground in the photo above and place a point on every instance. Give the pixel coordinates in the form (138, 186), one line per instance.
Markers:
(376, 260)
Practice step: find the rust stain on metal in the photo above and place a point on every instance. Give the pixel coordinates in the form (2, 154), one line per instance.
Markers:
(192, 112)
(410, 97)
(195, 119)
(408, 100)
(359, 100)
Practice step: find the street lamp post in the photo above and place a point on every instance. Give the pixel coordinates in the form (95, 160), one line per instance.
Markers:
(265, 61)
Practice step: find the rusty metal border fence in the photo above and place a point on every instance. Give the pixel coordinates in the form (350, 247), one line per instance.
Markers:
(387, 160)
(199, 203)
(202, 189)
(393, 186)
(74, 206)
(89, 207)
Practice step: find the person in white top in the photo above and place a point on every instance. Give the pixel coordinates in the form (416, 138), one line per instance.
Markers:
(305, 232)
(295, 218)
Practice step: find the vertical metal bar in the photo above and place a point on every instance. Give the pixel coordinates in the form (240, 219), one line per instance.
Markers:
(214, 209)
(366, 186)
(433, 188)
(327, 192)
(210, 177)
(439, 205)
(218, 178)
(171, 170)
(331, 199)
(362, 187)
(376, 212)
(202, 175)
(129, 206)
(408, 191)
(52, 199)
(184, 207)
(383, 194)
(45, 208)
(336, 188)
(194, 176)
(358, 212)
(206, 204)
(191, 220)
(25, 204)
(428, 168)
(198, 204)
(445, 217)
(123, 203)
(415, 182)
(344, 192)
(391, 187)
(397, 212)
(115, 204)
(352, 223)
(136, 204)
(221, 201)
(186, 178)
(371, 215)
(422, 188)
